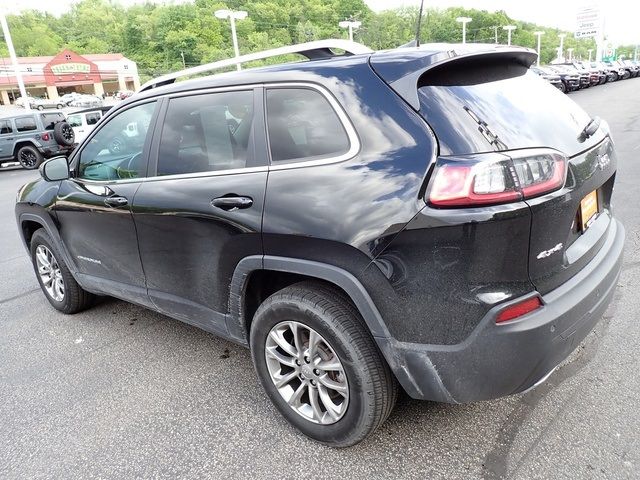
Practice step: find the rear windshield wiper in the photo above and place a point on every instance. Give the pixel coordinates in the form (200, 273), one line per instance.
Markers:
(590, 129)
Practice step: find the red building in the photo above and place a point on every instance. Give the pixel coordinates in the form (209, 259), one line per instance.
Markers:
(68, 72)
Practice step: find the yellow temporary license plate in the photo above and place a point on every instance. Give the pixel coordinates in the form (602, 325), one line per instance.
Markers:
(588, 209)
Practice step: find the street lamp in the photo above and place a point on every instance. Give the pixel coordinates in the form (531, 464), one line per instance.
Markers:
(570, 50)
(509, 29)
(560, 50)
(351, 25)
(464, 21)
(538, 34)
(14, 61)
(232, 16)
(590, 51)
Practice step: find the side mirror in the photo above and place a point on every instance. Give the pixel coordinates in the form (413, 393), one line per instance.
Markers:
(55, 169)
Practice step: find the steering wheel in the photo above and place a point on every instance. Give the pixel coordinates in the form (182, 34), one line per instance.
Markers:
(131, 167)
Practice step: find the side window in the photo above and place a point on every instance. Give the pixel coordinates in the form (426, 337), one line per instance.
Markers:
(74, 120)
(5, 127)
(115, 151)
(204, 133)
(25, 124)
(93, 117)
(302, 124)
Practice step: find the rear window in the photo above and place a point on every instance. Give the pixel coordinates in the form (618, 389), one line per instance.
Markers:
(473, 112)
(50, 119)
(25, 124)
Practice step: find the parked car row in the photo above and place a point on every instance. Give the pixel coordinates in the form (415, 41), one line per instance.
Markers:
(76, 100)
(30, 137)
(568, 77)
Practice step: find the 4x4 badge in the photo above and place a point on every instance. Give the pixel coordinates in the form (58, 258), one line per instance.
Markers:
(551, 251)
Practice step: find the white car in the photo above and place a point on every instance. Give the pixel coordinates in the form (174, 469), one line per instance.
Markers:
(84, 121)
(86, 101)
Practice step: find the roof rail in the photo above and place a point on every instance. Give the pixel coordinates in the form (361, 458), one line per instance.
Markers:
(315, 50)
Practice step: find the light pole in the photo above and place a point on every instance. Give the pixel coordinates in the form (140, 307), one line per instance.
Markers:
(14, 61)
(232, 16)
(538, 34)
(464, 21)
(561, 49)
(509, 29)
(351, 25)
(590, 52)
(570, 50)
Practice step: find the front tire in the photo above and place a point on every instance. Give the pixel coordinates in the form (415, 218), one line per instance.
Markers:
(55, 279)
(320, 366)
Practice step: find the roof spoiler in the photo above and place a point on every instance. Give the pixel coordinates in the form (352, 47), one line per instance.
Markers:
(407, 85)
(315, 50)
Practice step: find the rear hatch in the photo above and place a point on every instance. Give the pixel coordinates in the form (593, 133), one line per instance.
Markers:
(484, 104)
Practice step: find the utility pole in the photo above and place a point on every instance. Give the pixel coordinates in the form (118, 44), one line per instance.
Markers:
(590, 52)
(14, 61)
(570, 51)
(538, 34)
(232, 16)
(509, 29)
(351, 25)
(464, 21)
(184, 65)
(495, 34)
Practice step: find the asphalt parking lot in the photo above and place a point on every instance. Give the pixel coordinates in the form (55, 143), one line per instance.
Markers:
(122, 392)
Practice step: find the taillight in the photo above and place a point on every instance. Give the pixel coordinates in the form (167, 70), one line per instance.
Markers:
(519, 309)
(45, 137)
(489, 179)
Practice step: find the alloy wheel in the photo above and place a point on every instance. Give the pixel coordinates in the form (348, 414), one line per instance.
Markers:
(28, 158)
(307, 372)
(50, 273)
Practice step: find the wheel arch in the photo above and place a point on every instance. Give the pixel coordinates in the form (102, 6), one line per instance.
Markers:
(239, 320)
(294, 270)
(30, 222)
(23, 143)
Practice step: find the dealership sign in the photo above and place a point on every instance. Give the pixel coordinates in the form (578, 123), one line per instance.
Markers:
(589, 22)
(71, 68)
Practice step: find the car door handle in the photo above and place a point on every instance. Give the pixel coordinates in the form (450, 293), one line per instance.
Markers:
(116, 201)
(230, 203)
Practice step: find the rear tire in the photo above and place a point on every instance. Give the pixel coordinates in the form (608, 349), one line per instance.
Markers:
(55, 279)
(29, 157)
(345, 342)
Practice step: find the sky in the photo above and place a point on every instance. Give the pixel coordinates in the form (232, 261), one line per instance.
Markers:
(622, 17)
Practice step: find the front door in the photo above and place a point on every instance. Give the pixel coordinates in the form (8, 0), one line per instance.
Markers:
(201, 211)
(94, 206)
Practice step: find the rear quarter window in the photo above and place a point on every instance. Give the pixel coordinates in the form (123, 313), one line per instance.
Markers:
(302, 125)
(25, 124)
(50, 119)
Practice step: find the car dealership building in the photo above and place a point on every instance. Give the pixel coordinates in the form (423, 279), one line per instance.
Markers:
(67, 72)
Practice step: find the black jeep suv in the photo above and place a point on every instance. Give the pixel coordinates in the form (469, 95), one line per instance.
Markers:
(437, 219)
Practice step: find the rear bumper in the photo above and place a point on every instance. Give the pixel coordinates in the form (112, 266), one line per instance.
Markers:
(498, 360)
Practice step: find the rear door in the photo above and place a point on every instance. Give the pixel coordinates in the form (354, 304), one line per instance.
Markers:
(200, 212)
(515, 113)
